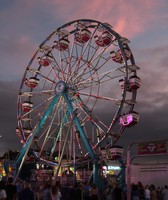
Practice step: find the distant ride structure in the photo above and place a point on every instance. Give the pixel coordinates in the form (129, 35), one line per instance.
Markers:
(77, 96)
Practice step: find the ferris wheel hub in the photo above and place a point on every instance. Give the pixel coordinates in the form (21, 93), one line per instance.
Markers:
(60, 87)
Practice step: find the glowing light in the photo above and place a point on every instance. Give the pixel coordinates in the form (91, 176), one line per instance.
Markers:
(114, 168)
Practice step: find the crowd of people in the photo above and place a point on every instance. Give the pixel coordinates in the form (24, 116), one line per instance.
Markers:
(80, 191)
(148, 192)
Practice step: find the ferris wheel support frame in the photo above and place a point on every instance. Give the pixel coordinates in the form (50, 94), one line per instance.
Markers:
(23, 154)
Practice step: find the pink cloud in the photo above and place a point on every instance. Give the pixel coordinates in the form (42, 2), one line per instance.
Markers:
(128, 18)
(23, 23)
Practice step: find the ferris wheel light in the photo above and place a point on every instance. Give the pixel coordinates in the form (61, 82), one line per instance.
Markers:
(129, 119)
(113, 167)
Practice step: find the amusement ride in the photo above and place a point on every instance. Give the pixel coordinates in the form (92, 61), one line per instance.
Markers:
(77, 96)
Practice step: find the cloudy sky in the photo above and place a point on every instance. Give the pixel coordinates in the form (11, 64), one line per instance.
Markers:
(26, 23)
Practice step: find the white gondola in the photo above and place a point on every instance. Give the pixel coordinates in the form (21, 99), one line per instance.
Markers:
(134, 83)
(83, 36)
(104, 154)
(115, 152)
(18, 132)
(27, 132)
(122, 83)
(129, 119)
(46, 49)
(27, 106)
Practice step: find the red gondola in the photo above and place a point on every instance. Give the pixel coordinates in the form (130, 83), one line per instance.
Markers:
(27, 106)
(32, 82)
(62, 45)
(118, 57)
(44, 61)
(104, 39)
(135, 82)
(83, 36)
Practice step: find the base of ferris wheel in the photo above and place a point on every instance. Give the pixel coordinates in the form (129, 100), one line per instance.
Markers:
(110, 167)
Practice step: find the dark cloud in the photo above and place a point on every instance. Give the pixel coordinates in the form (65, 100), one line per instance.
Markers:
(6, 4)
(8, 123)
(25, 24)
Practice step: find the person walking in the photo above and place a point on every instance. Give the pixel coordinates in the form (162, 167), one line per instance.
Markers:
(76, 192)
(55, 193)
(94, 193)
(2, 191)
(141, 190)
(26, 193)
(87, 191)
(47, 191)
(108, 193)
(135, 194)
(113, 192)
(147, 193)
(153, 192)
(164, 193)
(11, 189)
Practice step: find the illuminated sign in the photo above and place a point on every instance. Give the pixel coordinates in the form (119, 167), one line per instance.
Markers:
(159, 147)
(114, 168)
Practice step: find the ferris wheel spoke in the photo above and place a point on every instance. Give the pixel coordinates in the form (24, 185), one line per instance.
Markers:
(88, 115)
(88, 68)
(46, 114)
(56, 67)
(95, 78)
(84, 55)
(42, 92)
(47, 132)
(99, 97)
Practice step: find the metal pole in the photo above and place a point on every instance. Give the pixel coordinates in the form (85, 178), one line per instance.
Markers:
(128, 169)
(129, 160)
(63, 148)
(74, 158)
(25, 150)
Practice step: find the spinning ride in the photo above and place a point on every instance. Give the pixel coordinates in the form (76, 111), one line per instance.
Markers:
(77, 95)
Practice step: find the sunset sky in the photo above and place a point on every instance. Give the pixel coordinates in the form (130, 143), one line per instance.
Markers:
(26, 23)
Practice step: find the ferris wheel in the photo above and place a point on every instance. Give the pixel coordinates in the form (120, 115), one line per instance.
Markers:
(77, 94)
